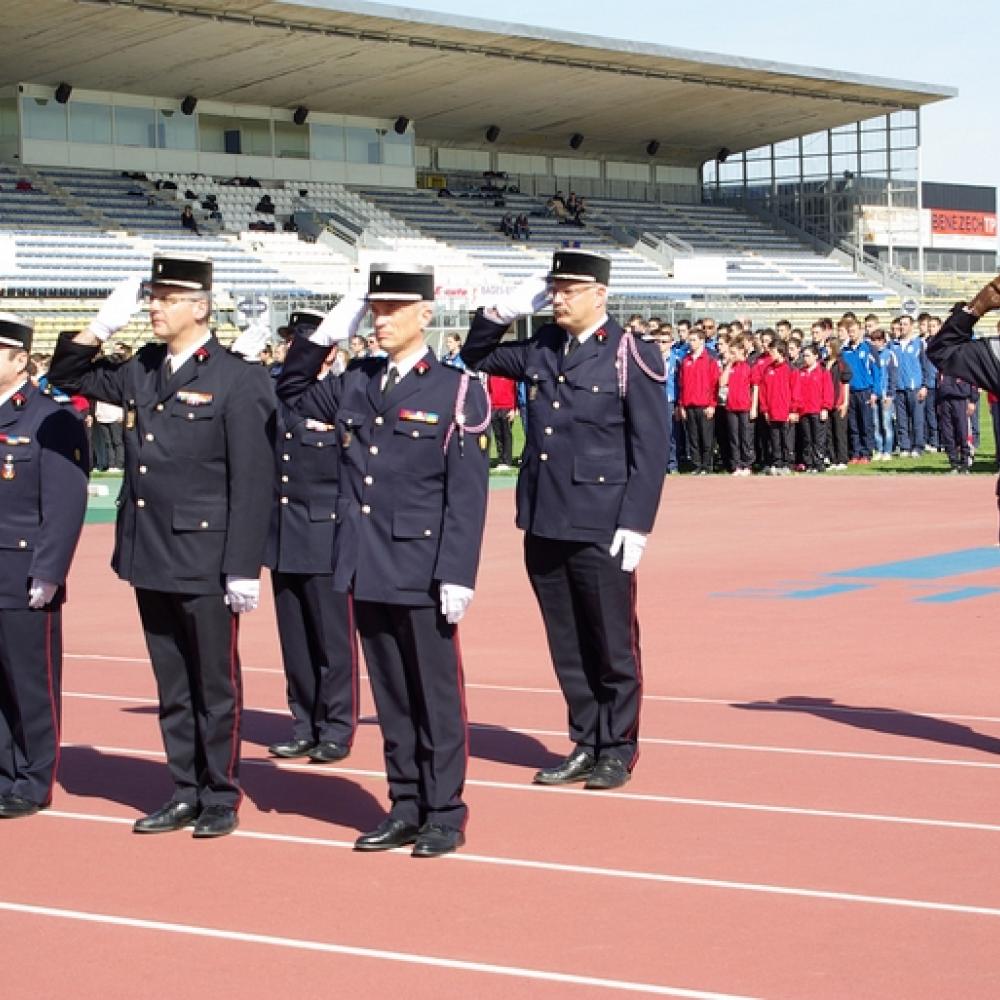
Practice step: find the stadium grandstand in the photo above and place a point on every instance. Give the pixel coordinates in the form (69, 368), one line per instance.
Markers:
(310, 138)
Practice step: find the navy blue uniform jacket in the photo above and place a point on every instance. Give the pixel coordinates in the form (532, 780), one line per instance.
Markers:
(592, 462)
(410, 514)
(196, 501)
(303, 519)
(43, 493)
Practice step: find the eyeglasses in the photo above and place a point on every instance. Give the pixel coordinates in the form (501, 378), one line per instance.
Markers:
(166, 301)
(572, 291)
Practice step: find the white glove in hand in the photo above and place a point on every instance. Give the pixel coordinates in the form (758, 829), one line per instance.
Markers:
(117, 309)
(252, 340)
(529, 297)
(341, 322)
(242, 594)
(41, 593)
(630, 544)
(455, 601)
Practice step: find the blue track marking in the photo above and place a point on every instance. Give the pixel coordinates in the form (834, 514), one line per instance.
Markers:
(929, 567)
(961, 594)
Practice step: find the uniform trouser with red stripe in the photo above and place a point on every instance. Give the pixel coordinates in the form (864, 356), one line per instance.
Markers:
(191, 640)
(415, 666)
(320, 656)
(588, 606)
(30, 677)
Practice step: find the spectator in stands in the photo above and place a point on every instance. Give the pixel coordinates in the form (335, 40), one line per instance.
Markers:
(522, 230)
(265, 205)
(189, 222)
(507, 225)
(23, 184)
(503, 402)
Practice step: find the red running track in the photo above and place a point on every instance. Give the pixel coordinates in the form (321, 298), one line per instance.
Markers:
(814, 813)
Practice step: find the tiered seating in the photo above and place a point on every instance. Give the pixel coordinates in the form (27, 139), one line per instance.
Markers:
(31, 208)
(107, 192)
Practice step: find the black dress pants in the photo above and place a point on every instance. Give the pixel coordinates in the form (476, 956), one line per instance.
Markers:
(588, 605)
(192, 640)
(30, 687)
(320, 656)
(701, 438)
(415, 666)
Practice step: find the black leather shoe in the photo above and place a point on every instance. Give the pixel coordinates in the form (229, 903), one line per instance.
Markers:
(326, 752)
(216, 821)
(433, 840)
(388, 834)
(610, 772)
(576, 767)
(172, 816)
(14, 807)
(291, 748)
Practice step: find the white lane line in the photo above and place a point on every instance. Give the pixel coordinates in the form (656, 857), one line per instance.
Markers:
(760, 705)
(408, 958)
(625, 874)
(645, 741)
(672, 800)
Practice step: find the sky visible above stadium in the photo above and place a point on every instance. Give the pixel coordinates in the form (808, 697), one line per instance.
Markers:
(897, 40)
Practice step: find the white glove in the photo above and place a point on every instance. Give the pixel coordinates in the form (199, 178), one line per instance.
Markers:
(252, 340)
(341, 322)
(630, 544)
(242, 594)
(117, 309)
(455, 601)
(41, 593)
(525, 299)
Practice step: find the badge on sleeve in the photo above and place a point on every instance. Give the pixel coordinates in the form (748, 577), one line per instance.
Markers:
(7, 470)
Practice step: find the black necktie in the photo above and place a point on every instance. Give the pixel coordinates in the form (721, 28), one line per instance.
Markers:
(391, 378)
(572, 345)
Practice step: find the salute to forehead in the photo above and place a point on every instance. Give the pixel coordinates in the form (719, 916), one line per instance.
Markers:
(579, 288)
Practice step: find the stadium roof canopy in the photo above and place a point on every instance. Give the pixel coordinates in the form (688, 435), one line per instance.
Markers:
(452, 76)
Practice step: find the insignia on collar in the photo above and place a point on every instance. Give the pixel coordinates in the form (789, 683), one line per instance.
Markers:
(201, 355)
(194, 398)
(18, 400)
(420, 416)
(600, 336)
(421, 367)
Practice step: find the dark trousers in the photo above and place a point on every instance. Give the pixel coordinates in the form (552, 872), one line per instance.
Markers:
(909, 420)
(588, 605)
(930, 418)
(762, 440)
(813, 440)
(837, 438)
(30, 687)
(740, 434)
(672, 426)
(503, 435)
(100, 438)
(191, 640)
(320, 656)
(782, 454)
(953, 423)
(700, 438)
(861, 423)
(415, 666)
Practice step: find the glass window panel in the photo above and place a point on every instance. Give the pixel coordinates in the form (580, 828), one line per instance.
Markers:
(873, 163)
(291, 141)
(8, 118)
(815, 166)
(815, 143)
(89, 123)
(327, 142)
(44, 118)
(226, 134)
(844, 142)
(790, 147)
(134, 127)
(176, 130)
(363, 145)
(397, 150)
(874, 140)
(759, 170)
(904, 119)
(876, 124)
(760, 153)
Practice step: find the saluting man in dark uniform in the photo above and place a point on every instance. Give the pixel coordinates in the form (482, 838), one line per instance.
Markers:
(587, 496)
(192, 523)
(43, 498)
(413, 484)
(315, 622)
